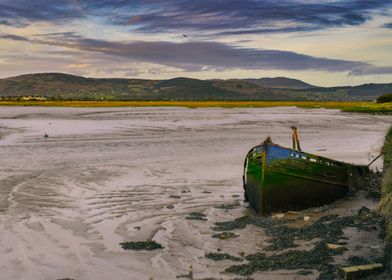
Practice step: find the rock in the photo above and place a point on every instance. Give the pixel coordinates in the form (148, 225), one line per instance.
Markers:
(306, 218)
(279, 216)
(293, 212)
(359, 271)
(348, 273)
(333, 246)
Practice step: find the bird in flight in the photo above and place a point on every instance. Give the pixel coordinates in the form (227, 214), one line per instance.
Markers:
(185, 36)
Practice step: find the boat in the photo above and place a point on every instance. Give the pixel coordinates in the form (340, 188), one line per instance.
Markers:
(277, 178)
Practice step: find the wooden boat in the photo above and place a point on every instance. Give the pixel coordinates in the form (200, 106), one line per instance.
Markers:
(277, 178)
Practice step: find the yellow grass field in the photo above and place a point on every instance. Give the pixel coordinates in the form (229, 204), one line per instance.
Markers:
(365, 107)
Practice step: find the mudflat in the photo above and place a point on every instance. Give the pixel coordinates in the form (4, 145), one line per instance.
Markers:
(106, 176)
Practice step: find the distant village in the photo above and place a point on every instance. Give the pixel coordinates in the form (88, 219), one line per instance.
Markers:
(22, 98)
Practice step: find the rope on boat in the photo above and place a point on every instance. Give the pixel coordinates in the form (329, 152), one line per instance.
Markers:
(376, 158)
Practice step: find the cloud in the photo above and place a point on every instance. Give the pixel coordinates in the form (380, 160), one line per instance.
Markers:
(23, 12)
(221, 17)
(76, 65)
(13, 37)
(5, 22)
(387, 25)
(203, 16)
(371, 70)
(203, 56)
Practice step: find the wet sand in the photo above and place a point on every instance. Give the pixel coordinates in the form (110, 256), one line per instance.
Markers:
(110, 175)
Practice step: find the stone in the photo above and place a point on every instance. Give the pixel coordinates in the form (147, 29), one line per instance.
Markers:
(333, 246)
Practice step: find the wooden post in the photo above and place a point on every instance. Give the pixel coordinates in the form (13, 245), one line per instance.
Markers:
(295, 139)
(191, 273)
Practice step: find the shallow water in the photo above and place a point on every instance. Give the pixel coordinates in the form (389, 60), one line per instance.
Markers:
(107, 175)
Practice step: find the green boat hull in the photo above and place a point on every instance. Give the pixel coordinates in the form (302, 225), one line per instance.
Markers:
(280, 179)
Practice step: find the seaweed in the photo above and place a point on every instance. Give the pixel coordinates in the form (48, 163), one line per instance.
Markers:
(304, 272)
(196, 216)
(329, 229)
(320, 256)
(229, 206)
(212, 278)
(222, 256)
(224, 235)
(357, 260)
(141, 245)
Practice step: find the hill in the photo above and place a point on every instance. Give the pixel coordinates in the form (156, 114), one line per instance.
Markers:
(280, 82)
(59, 86)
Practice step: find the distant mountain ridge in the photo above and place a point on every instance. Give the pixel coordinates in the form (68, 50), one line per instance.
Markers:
(59, 86)
(281, 82)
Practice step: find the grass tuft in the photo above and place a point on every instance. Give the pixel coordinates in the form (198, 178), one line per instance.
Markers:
(386, 201)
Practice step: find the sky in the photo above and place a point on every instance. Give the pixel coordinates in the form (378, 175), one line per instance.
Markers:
(326, 43)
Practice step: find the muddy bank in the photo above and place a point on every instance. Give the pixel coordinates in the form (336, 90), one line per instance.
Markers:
(113, 175)
(325, 236)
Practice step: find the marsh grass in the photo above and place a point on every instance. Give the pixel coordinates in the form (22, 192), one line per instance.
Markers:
(371, 108)
(346, 106)
(386, 201)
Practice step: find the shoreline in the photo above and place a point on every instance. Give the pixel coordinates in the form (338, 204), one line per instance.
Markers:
(345, 106)
(166, 175)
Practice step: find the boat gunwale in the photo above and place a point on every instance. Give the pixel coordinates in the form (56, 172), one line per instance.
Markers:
(305, 153)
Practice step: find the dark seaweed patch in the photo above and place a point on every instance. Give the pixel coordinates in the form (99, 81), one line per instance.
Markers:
(229, 206)
(319, 258)
(222, 256)
(196, 216)
(224, 235)
(329, 229)
(305, 272)
(141, 245)
(212, 278)
(357, 260)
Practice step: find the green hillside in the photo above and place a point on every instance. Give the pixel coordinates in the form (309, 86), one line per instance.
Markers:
(58, 86)
(281, 82)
